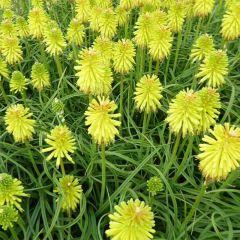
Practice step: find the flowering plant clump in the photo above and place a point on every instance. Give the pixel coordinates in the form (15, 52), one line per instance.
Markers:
(128, 109)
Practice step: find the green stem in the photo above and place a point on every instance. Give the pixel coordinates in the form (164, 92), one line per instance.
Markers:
(166, 71)
(157, 67)
(59, 66)
(174, 154)
(198, 29)
(150, 65)
(150, 200)
(194, 206)
(62, 167)
(5, 97)
(144, 129)
(126, 29)
(130, 24)
(24, 98)
(188, 30)
(89, 37)
(75, 52)
(121, 95)
(194, 82)
(185, 158)
(14, 234)
(43, 56)
(142, 62)
(31, 158)
(23, 5)
(179, 41)
(103, 173)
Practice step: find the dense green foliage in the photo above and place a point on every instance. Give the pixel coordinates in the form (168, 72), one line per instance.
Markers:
(186, 208)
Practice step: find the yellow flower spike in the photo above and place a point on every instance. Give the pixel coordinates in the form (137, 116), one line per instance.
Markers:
(176, 16)
(22, 27)
(37, 21)
(150, 5)
(210, 102)
(4, 72)
(108, 23)
(40, 76)
(203, 7)
(167, 3)
(54, 40)
(214, 69)
(230, 3)
(101, 119)
(160, 43)
(8, 29)
(202, 47)
(94, 19)
(128, 4)
(94, 75)
(103, 3)
(131, 220)
(19, 123)
(4, 4)
(122, 16)
(143, 32)
(148, 94)
(220, 153)
(231, 22)
(70, 192)
(11, 50)
(160, 17)
(123, 56)
(189, 5)
(104, 47)
(75, 32)
(18, 82)
(62, 144)
(83, 9)
(11, 191)
(184, 113)
(8, 14)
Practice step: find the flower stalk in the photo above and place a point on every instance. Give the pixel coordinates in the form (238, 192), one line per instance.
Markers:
(5, 97)
(103, 158)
